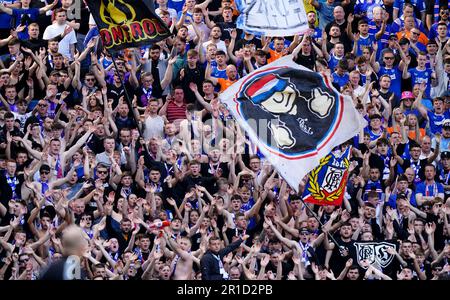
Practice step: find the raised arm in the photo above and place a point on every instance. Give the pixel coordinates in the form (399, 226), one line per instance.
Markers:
(46, 8)
(5, 9)
(208, 74)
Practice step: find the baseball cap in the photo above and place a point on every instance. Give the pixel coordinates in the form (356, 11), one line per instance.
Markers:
(407, 95)
(445, 154)
(403, 41)
(44, 168)
(54, 72)
(392, 36)
(304, 230)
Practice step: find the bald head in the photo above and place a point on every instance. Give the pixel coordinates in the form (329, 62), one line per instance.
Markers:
(231, 72)
(73, 241)
(339, 13)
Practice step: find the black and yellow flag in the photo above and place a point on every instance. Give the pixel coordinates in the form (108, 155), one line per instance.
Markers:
(127, 23)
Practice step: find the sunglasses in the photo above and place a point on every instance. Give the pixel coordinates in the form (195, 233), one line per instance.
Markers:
(416, 33)
(45, 172)
(102, 172)
(42, 105)
(388, 57)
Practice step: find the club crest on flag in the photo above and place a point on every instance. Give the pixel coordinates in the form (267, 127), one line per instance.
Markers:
(375, 253)
(326, 183)
(299, 106)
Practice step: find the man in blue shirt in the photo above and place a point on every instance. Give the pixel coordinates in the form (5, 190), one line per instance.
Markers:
(418, 6)
(428, 189)
(340, 76)
(399, 23)
(364, 40)
(420, 74)
(26, 15)
(364, 8)
(436, 117)
(325, 10)
(394, 72)
(443, 14)
(176, 4)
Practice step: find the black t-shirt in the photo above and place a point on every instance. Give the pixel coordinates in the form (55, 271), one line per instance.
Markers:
(241, 42)
(227, 27)
(207, 169)
(343, 38)
(115, 93)
(337, 261)
(72, 99)
(307, 61)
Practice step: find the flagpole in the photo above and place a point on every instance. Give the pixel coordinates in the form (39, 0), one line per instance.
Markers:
(318, 220)
(122, 82)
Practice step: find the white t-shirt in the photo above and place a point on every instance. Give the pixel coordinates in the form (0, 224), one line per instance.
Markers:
(202, 28)
(172, 12)
(220, 46)
(22, 119)
(64, 45)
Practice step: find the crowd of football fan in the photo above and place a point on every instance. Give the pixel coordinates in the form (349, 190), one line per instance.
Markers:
(157, 181)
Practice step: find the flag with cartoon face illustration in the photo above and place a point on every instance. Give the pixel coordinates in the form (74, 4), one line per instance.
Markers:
(293, 115)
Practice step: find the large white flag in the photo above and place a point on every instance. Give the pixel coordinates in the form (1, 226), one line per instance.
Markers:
(293, 115)
(272, 17)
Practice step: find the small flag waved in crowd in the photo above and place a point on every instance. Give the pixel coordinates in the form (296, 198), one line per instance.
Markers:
(326, 183)
(293, 115)
(127, 23)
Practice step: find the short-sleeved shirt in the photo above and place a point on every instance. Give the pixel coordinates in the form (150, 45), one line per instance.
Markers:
(436, 121)
(175, 112)
(225, 83)
(340, 80)
(419, 76)
(29, 16)
(176, 4)
(64, 45)
(396, 79)
(325, 11)
(274, 55)
(364, 42)
(429, 189)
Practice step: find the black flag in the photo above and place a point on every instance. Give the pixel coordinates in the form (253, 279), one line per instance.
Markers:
(127, 23)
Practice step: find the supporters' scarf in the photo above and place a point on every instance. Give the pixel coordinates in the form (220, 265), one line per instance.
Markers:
(221, 268)
(13, 182)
